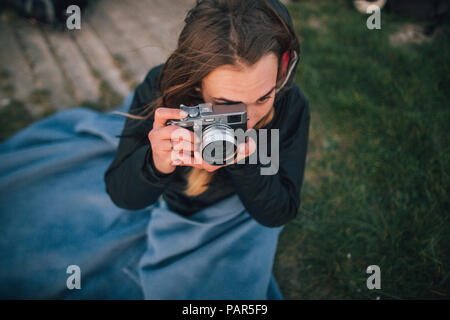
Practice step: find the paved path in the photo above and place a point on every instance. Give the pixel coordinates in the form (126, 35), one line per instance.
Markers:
(46, 70)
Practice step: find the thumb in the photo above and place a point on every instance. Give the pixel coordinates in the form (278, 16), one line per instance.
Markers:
(246, 149)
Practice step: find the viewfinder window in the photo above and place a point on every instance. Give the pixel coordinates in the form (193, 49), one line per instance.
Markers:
(234, 119)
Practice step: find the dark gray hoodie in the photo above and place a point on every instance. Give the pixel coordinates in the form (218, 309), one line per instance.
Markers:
(133, 182)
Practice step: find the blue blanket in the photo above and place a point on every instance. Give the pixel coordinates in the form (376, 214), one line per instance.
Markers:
(55, 213)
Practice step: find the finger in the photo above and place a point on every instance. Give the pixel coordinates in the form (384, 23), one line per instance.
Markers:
(164, 114)
(185, 159)
(162, 145)
(180, 155)
(183, 145)
(250, 147)
(174, 133)
(245, 149)
(182, 134)
(204, 165)
(198, 158)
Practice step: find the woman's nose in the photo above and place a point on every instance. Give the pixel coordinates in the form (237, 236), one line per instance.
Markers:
(252, 119)
(250, 123)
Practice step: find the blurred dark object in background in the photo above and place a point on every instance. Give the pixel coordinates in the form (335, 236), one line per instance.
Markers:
(52, 12)
(433, 12)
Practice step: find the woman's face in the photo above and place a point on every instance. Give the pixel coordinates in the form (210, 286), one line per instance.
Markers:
(252, 85)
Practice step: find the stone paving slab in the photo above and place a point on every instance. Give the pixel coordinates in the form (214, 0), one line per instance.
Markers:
(84, 84)
(48, 76)
(45, 69)
(16, 78)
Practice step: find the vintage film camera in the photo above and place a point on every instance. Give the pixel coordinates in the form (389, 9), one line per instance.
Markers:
(215, 125)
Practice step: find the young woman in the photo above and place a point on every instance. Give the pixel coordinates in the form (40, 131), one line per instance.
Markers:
(210, 231)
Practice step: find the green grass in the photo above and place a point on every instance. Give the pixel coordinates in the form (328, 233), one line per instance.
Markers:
(14, 117)
(377, 176)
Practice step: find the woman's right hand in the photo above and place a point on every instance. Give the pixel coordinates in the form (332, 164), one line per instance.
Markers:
(170, 143)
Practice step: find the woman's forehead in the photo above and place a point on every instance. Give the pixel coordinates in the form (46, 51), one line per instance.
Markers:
(246, 84)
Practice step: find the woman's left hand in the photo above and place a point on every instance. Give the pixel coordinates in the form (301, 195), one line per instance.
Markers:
(185, 159)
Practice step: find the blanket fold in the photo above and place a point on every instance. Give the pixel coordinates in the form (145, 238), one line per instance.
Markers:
(55, 212)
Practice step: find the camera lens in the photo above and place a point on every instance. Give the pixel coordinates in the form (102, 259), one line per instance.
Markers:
(219, 144)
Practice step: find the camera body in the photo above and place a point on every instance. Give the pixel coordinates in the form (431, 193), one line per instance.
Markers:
(215, 125)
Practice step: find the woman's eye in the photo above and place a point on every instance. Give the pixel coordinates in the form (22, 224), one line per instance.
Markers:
(224, 103)
(262, 100)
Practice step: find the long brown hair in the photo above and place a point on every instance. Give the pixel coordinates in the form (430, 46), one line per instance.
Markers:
(217, 33)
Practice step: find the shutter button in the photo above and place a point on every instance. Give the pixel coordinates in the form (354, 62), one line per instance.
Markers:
(193, 112)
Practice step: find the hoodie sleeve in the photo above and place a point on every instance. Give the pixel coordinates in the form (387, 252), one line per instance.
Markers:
(132, 181)
(274, 200)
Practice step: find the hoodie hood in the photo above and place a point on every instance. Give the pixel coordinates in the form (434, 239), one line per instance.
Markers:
(283, 12)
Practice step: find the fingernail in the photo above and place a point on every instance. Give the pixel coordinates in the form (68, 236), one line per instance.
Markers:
(183, 113)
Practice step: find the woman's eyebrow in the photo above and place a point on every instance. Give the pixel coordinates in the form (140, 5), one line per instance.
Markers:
(230, 101)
